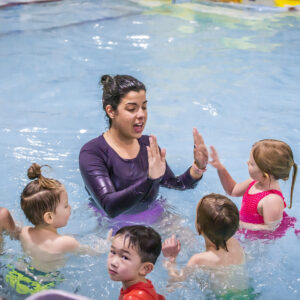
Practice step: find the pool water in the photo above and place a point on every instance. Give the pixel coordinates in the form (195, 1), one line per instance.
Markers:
(230, 71)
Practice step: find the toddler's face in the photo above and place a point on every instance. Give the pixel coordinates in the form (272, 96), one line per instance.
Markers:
(254, 171)
(63, 211)
(123, 263)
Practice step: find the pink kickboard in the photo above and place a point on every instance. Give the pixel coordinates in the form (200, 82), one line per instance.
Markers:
(55, 295)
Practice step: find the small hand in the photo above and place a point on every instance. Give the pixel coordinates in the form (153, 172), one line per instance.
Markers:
(156, 159)
(171, 247)
(200, 150)
(215, 161)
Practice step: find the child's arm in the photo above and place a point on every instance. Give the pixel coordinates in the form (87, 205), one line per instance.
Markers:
(170, 249)
(70, 244)
(255, 227)
(272, 209)
(7, 223)
(100, 248)
(66, 244)
(229, 184)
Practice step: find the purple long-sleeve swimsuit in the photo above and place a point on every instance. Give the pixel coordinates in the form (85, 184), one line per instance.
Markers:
(122, 185)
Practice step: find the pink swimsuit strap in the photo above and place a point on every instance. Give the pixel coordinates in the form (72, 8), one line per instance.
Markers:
(265, 193)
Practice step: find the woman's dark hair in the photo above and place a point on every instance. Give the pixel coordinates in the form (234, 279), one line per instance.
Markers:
(115, 88)
(145, 239)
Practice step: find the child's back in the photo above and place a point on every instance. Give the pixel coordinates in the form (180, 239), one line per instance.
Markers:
(46, 249)
(234, 255)
(43, 240)
(44, 253)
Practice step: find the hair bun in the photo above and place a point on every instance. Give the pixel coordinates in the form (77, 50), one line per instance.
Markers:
(34, 171)
(105, 79)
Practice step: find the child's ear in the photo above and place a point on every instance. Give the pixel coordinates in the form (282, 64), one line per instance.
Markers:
(146, 268)
(110, 111)
(48, 217)
(198, 228)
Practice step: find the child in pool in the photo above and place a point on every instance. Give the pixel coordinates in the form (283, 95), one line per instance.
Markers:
(45, 204)
(263, 203)
(132, 256)
(217, 220)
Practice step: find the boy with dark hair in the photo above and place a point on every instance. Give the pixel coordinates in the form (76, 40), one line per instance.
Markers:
(132, 256)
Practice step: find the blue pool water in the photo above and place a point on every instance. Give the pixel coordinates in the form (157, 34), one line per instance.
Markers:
(232, 72)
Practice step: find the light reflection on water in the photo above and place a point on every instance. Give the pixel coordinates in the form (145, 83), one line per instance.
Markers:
(231, 73)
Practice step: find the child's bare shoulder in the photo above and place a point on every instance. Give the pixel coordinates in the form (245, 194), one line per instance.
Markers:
(273, 200)
(66, 243)
(206, 258)
(24, 233)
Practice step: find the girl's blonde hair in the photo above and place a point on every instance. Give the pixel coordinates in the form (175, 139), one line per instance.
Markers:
(275, 158)
(40, 195)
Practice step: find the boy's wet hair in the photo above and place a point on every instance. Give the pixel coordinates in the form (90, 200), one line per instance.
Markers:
(40, 195)
(218, 218)
(145, 239)
(115, 88)
(274, 157)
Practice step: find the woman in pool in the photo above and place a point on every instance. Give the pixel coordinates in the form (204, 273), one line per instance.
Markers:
(123, 169)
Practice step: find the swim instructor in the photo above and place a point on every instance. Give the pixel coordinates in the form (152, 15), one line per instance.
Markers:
(123, 169)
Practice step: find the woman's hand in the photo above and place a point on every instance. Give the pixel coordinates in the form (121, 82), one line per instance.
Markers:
(200, 150)
(170, 248)
(156, 159)
(215, 161)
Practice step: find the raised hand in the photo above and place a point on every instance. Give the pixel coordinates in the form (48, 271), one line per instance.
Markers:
(215, 161)
(171, 247)
(156, 159)
(200, 150)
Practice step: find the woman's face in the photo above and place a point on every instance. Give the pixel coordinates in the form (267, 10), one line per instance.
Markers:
(130, 117)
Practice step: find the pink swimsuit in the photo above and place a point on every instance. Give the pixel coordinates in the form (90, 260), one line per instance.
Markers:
(248, 212)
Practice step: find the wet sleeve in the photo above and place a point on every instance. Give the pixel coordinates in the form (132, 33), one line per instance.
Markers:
(96, 177)
(181, 182)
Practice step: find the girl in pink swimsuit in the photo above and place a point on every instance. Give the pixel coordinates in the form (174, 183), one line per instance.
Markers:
(263, 203)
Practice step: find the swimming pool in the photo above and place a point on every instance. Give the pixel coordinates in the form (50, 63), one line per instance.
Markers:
(233, 73)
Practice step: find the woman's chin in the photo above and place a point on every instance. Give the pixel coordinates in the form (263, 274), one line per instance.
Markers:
(138, 133)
